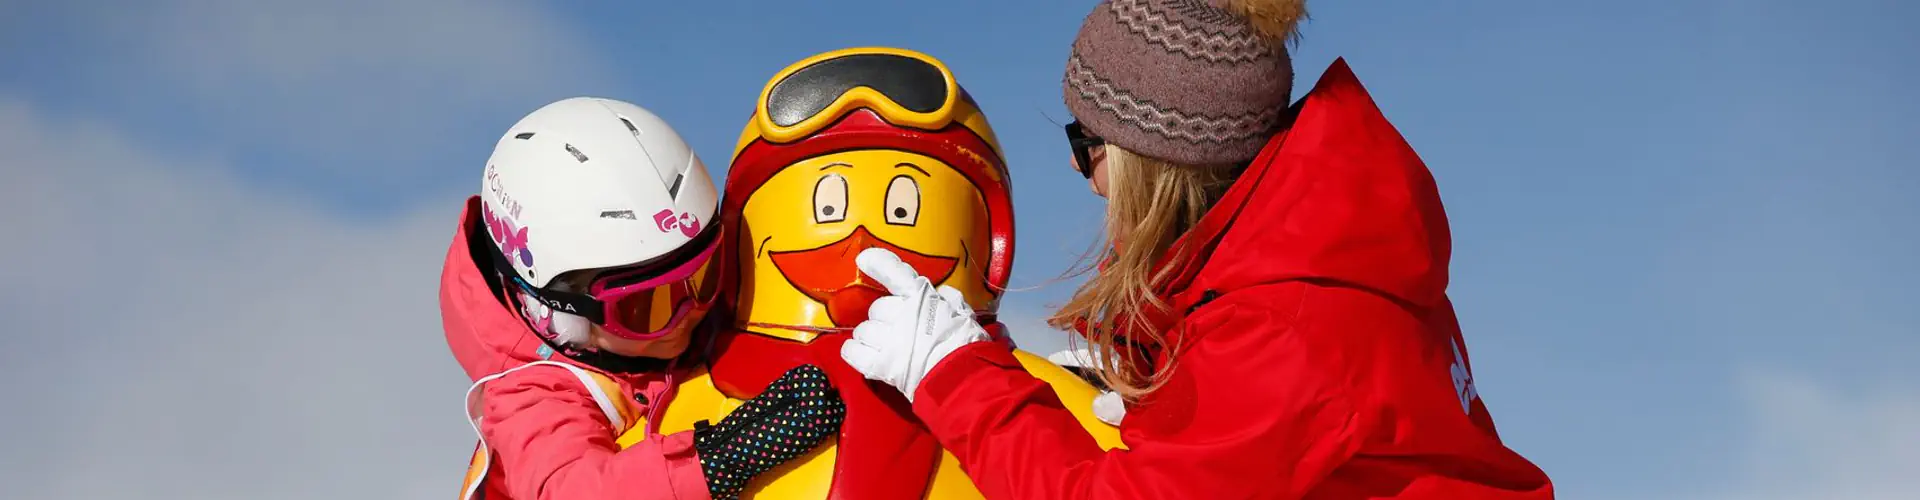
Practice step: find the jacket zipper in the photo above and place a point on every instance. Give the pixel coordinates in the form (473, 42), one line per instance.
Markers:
(660, 402)
(1205, 297)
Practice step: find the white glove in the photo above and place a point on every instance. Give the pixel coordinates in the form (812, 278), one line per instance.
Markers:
(909, 332)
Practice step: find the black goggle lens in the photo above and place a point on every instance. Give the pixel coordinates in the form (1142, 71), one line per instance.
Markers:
(911, 83)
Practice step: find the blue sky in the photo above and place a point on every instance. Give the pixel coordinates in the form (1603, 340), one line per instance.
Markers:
(1684, 230)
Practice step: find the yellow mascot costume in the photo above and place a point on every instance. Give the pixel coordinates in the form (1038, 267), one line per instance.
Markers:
(849, 150)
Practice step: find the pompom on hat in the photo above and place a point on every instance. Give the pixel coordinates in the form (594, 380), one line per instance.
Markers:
(1194, 82)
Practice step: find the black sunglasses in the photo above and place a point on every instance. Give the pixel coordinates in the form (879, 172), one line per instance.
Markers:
(1082, 145)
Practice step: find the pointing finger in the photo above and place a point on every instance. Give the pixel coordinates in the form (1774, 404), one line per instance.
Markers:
(889, 270)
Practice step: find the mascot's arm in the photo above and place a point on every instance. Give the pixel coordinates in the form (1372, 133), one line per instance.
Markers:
(1078, 395)
(554, 442)
(1255, 422)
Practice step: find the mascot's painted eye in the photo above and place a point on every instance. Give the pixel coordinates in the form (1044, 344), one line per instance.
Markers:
(830, 199)
(903, 201)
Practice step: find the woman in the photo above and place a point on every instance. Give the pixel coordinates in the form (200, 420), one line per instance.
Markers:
(1272, 303)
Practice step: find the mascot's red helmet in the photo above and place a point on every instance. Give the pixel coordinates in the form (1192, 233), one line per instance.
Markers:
(854, 149)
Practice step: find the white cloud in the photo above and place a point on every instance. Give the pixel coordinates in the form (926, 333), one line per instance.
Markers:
(174, 335)
(1810, 440)
(352, 91)
(175, 332)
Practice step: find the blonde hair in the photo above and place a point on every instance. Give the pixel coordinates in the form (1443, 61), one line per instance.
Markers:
(1151, 203)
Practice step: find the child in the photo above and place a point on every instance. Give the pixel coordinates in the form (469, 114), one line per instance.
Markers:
(591, 239)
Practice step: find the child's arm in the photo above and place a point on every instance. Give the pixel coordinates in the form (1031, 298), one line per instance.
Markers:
(554, 442)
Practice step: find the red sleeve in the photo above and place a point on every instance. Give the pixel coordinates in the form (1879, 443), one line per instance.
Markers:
(1241, 417)
(553, 442)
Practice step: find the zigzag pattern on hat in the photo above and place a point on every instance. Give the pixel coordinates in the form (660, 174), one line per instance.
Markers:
(1172, 123)
(1234, 43)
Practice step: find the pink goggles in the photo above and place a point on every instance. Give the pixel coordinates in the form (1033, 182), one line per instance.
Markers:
(641, 303)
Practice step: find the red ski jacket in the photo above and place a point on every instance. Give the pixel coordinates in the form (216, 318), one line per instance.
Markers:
(1315, 352)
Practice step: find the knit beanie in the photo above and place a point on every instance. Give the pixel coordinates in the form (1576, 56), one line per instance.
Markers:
(1194, 82)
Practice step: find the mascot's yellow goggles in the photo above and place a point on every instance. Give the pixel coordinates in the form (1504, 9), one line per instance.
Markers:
(907, 88)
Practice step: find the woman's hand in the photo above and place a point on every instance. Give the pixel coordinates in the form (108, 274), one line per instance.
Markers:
(793, 415)
(909, 332)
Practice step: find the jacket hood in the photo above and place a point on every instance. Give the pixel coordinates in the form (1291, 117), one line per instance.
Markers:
(484, 332)
(1338, 198)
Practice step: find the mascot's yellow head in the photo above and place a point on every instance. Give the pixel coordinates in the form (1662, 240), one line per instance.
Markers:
(855, 149)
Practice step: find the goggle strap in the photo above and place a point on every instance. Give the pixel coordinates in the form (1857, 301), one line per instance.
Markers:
(567, 302)
(571, 303)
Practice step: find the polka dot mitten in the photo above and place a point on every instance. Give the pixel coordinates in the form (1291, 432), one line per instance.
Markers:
(794, 414)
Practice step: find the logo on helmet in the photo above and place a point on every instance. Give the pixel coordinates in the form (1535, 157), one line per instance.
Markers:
(512, 240)
(667, 221)
(500, 191)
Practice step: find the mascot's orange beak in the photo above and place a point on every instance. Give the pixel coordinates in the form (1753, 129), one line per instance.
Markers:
(828, 274)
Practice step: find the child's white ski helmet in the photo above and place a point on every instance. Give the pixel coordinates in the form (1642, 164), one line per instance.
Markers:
(592, 184)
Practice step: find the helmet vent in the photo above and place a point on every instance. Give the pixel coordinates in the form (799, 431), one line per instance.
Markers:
(630, 127)
(617, 214)
(577, 155)
(673, 191)
(524, 136)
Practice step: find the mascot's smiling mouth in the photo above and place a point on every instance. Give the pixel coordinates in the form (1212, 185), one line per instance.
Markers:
(829, 276)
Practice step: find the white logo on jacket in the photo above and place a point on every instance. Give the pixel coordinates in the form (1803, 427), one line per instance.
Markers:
(1462, 379)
